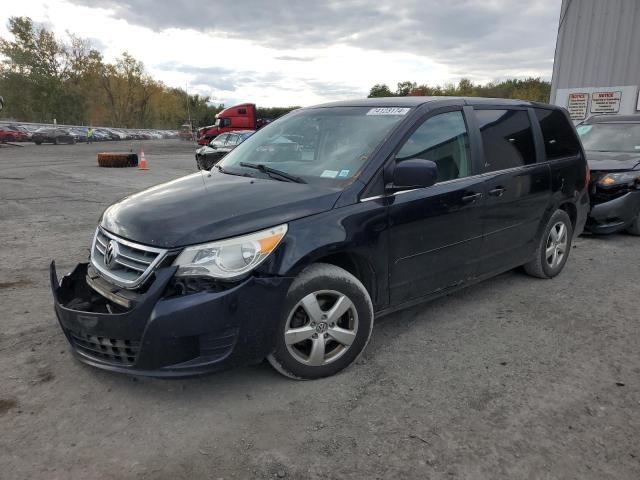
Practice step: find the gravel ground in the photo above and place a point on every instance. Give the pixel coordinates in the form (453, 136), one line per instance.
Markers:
(513, 378)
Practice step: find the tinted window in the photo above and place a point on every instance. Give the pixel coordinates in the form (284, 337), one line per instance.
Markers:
(232, 140)
(507, 139)
(443, 139)
(557, 133)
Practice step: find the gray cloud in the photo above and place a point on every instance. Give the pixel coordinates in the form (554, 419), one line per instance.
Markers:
(473, 37)
(292, 58)
(221, 78)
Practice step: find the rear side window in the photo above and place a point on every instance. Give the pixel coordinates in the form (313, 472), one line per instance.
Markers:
(442, 139)
(507, 139)
(557, 133)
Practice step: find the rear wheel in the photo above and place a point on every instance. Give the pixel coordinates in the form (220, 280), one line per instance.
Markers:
(326, 323)
(553, 248)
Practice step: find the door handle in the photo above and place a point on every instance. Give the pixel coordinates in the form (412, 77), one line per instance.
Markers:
(471, 198)
(497, 192)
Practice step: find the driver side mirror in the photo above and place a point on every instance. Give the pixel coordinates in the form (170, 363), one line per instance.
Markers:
(413, 173)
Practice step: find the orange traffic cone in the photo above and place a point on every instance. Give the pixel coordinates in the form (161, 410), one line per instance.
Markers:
(143, 161)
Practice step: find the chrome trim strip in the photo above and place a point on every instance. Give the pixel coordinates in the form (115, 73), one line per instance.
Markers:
(119, 261)
(480, 175)
(116, 280)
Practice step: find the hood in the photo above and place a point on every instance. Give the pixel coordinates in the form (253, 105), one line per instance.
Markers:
(208, 206)
(612, 161)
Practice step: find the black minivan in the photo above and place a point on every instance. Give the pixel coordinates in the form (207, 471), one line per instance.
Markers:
(319, 222)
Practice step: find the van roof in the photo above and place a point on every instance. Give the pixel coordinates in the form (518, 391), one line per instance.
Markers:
(416, 101)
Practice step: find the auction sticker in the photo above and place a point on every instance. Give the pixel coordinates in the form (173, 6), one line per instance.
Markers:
(388, 111)
(329, 174)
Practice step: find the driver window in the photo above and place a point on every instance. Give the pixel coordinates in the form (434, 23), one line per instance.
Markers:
(442, 139)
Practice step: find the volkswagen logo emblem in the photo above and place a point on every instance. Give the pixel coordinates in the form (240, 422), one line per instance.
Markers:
(111, 254)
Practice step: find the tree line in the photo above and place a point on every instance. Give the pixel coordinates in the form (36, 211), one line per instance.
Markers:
(43, 77)
(534, 89)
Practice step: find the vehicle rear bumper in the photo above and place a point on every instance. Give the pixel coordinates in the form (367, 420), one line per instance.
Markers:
(170, 337)
(614, 215)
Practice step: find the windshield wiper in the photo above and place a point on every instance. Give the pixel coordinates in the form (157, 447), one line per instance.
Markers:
(228, 172)
(272, 171)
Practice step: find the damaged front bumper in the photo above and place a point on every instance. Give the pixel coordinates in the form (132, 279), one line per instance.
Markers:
(169, 336)
(614, 215)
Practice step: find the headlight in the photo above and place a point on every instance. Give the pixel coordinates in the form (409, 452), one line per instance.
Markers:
(619, 178)
(230, 258)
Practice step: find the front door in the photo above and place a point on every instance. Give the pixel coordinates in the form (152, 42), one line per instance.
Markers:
(435, 233)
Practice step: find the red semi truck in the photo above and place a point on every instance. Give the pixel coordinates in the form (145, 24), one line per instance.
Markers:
(238, 117)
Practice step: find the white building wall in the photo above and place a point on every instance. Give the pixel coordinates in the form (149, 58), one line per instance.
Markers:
(598, 52)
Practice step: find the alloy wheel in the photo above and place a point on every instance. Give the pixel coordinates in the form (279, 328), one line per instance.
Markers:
(321, 327)
(556, 244)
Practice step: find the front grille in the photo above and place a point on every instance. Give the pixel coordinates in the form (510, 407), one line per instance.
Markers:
(121, 352)
(131, 263)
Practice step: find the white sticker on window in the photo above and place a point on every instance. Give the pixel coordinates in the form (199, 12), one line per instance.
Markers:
(388, 111)
(343, 173)
(329, 174)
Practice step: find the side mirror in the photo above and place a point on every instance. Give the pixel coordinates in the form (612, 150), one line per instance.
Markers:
(413, 173)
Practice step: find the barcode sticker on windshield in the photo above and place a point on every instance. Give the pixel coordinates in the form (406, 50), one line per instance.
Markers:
(388, 111)
(329, 174)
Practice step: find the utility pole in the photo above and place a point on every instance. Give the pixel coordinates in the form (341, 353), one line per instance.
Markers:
(186, 89)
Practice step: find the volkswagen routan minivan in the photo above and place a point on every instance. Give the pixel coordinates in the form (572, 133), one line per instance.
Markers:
(320, 222)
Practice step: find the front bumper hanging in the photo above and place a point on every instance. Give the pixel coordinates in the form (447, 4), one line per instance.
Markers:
(169, 336)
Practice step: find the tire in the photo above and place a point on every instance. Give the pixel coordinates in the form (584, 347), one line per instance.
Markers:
(553, 248)
(322, 287)
(55, 141)
(634, 228)
(117, 160)
(38, 143)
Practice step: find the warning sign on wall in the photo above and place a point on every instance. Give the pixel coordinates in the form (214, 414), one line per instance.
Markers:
(605, 102)
(577, 105)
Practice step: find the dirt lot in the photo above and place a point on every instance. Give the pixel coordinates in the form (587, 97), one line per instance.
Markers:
(514, 378)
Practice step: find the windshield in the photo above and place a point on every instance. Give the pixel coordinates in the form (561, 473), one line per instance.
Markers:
(320, 145)
(610, 137)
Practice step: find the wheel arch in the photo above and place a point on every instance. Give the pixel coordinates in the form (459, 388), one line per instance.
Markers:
(357, 265)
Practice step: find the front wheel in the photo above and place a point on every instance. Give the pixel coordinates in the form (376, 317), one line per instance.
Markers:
(325, 324)
(553, 247)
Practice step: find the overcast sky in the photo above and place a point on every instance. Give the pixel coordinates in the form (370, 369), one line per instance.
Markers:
(286, 52)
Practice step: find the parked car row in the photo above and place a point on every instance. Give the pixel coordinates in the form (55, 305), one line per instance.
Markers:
(71, 134)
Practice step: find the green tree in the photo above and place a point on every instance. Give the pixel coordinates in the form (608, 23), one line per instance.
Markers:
(380, 90)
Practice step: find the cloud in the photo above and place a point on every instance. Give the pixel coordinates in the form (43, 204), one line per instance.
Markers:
(471, 36)
(293, 58)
